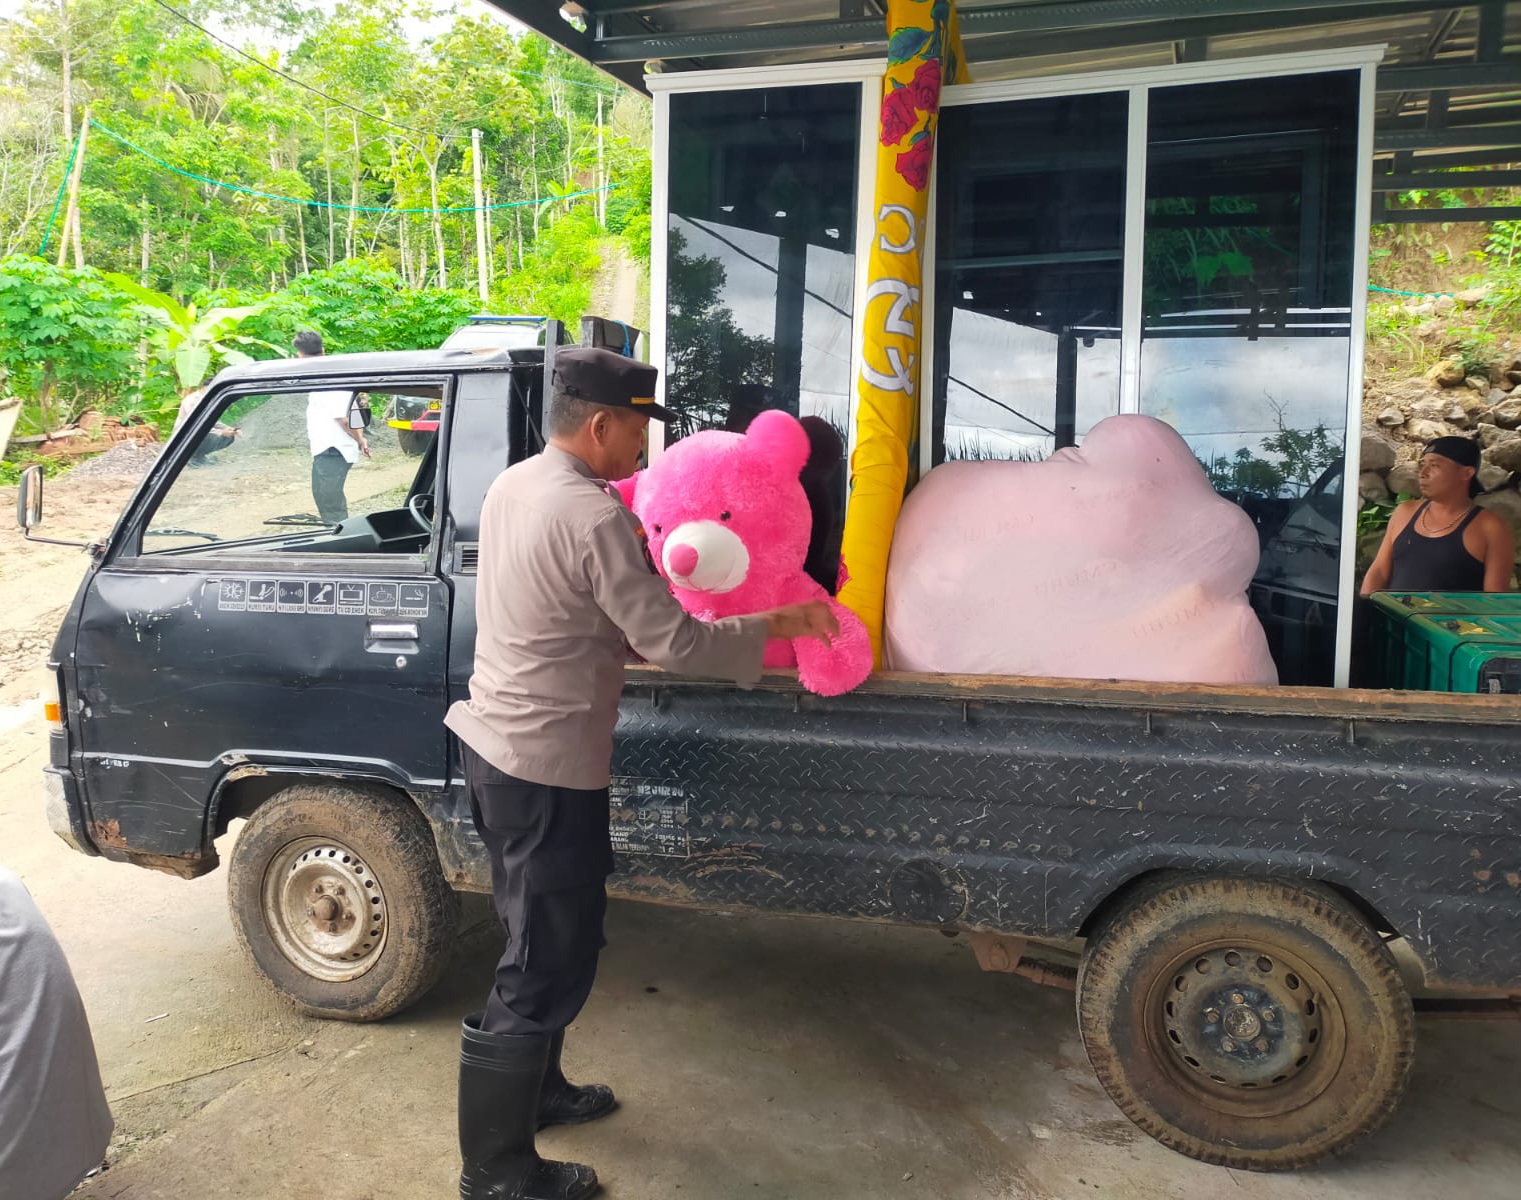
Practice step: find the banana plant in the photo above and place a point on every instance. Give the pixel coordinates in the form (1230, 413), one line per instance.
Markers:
(558, 193)
(188, 340)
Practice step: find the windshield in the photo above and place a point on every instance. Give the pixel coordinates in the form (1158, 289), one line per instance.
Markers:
(494, 337)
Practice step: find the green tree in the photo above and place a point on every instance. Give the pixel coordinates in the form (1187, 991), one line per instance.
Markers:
(390, 132)
(66, 339)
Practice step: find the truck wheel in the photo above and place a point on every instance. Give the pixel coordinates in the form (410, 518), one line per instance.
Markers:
(338, 899)
(1252, 1024)
(413, 442)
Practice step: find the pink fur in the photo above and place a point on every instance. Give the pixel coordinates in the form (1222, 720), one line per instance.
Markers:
(747, 485)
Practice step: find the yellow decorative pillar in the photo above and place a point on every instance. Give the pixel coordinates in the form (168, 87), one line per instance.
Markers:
(923, 52)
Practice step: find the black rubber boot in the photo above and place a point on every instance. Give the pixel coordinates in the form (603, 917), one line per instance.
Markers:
(499, 1080)
(562, 1102)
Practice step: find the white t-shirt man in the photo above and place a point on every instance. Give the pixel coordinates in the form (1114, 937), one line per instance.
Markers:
(327, 424)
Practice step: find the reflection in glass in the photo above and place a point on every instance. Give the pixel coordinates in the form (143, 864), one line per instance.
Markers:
(1246, 338)
(761, 267)
(1029, 241)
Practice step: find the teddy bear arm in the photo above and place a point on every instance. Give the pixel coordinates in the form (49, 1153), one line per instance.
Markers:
(840, 666)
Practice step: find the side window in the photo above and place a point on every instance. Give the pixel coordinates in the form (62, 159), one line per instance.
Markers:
(340, 471)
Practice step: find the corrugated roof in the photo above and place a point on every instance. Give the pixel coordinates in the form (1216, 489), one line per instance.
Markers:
(1451, 81)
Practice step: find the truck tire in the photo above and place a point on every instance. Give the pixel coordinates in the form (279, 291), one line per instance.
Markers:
(1249, 1023)
(337, 897)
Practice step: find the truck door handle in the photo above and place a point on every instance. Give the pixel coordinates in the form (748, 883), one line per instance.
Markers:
(391, 637)
(392, 631)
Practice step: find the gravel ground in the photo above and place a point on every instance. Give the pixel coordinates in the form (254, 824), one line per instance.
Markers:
(125, 460)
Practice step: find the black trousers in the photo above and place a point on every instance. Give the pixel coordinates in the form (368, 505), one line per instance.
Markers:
(551, 855)
(329, 470)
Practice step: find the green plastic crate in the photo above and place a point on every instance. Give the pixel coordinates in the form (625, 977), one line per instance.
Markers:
(1450, 652)
(1410, 652)
(1428, 604)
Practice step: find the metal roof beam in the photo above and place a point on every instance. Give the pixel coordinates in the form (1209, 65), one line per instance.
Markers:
(1446, 216)
(606, 8)
(1491, 31)
(1474, 136)
(1503, 155)
(1439, 179)
(545, 18)
(1147, 33)
(1153, 20)
(1447, 76)
(1463, 118)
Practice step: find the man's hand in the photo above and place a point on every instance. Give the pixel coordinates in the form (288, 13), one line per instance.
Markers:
(364, 446)
(812, 618)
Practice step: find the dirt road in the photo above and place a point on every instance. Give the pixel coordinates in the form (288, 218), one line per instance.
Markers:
(755, 1058)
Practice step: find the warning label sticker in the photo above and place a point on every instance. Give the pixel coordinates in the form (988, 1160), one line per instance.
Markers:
(261, 595)
(321, 597)
(292, 596)
(647, 817)
(412, 599)
(380, 600)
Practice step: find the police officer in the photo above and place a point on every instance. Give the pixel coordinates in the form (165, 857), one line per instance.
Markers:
(564, 588)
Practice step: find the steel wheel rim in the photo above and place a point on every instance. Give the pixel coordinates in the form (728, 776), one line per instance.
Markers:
(325, 909)
(1246, 1028)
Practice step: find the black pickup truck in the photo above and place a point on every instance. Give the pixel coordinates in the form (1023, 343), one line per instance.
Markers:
(1240, 863)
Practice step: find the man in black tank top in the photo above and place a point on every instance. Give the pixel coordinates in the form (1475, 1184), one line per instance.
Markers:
(1443, 542)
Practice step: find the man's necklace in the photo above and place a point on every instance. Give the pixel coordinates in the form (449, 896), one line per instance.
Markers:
(1426, 517)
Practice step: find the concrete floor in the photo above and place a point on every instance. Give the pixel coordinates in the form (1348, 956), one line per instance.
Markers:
(755, 1058)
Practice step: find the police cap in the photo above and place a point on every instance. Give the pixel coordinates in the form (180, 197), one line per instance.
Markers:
(604, 377)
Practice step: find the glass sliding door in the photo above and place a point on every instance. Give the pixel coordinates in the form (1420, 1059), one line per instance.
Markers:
(761, 254)
(1246, 337)
(761, 272)
(1029, 238)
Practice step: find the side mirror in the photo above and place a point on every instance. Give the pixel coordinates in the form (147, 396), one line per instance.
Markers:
(29, 499)
(359, 412)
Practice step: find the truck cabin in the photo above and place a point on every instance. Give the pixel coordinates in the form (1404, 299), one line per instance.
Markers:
(1167, 214)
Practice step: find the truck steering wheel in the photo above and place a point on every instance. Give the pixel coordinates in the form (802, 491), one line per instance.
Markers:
(420, 509)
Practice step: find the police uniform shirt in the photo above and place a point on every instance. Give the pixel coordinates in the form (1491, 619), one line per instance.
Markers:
(564, 589)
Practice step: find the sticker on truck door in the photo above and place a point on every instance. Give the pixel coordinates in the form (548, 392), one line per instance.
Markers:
(646, 817)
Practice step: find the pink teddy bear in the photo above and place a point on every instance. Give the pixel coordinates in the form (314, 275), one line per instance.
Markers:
(728, 525)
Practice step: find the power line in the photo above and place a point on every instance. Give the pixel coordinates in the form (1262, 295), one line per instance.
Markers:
(259, 62)
(375, 208)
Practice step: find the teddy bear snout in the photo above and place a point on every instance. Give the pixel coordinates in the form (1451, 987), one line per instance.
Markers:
(705, 556)
(684, 559)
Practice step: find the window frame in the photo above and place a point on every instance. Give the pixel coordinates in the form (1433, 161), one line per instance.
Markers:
(126, 548)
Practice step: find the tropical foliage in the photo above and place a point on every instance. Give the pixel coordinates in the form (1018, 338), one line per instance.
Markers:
(255, 167)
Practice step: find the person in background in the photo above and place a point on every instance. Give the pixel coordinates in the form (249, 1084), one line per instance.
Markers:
(218, 437)
(1444, 542)
(55, 1124)
(335, 444)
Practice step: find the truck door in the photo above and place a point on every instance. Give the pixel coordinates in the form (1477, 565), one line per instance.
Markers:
(498, 418)
(270, 605)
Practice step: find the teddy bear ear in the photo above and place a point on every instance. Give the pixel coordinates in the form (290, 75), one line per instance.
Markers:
(628, 487)
(781, 438)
